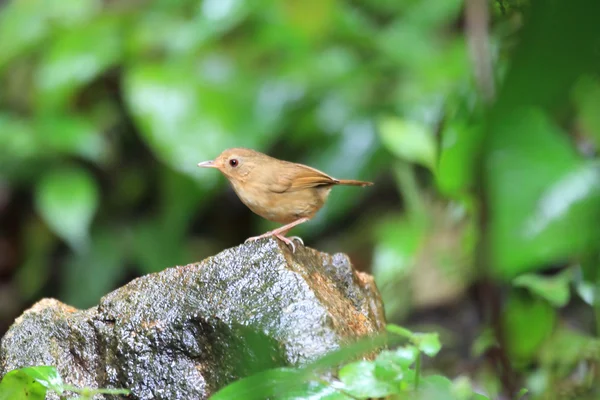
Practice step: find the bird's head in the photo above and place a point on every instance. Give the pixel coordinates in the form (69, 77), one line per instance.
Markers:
(235, 163)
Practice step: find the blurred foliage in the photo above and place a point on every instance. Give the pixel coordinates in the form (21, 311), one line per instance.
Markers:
(478, 121)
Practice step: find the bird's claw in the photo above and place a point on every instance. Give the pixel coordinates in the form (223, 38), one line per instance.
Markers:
(298, 238)
(287, 241)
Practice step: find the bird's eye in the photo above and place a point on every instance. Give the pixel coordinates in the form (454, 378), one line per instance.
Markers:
(233, 162)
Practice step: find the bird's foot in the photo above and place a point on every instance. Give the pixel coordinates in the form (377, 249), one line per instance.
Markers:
(288, 241)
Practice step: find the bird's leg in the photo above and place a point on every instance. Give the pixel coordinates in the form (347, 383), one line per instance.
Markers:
(280, 232)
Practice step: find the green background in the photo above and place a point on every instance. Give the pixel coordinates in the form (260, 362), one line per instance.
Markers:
(479, 126)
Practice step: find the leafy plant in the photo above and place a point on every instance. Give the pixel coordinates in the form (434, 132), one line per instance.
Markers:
(32, 383)
(393, 373)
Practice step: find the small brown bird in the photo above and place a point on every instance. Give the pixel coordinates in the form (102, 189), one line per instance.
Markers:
(277, 190)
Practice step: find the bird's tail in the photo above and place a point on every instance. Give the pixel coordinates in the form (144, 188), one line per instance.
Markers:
(353, 182)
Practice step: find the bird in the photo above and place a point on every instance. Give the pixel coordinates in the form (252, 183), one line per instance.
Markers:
(280, 191)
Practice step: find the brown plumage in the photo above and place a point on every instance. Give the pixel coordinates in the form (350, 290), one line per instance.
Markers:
(277, 190)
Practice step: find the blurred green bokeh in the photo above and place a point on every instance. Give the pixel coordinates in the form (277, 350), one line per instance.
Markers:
(479, 126)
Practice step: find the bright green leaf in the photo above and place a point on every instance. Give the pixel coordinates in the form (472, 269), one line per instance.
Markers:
(19, 386)
(67, 200)
(46, 376)
(527, 323)
(17, 140)
(409, 140)
(350, 352)
(387, 368)
(392, 365)
(168, 31)
(522, 393)
(360, 381)
(428, 343)
(28, 22)
(435, 387)
(555, 289)
(456, 167)
(406, 355)
(538, 189)
(75, 59)
(266, 384)
(29, 383)
(315, 391)
(398, 330)
(462, 389)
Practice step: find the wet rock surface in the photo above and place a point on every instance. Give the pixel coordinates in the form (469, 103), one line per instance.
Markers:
(187, 331)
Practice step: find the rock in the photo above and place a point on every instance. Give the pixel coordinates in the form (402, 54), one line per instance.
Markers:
(189, 330)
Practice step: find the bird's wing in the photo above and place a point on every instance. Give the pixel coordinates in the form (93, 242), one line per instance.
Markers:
(291, 177)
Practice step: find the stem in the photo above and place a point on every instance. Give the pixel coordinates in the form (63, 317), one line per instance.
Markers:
(405, 179)
(417, 371)
(478, 39)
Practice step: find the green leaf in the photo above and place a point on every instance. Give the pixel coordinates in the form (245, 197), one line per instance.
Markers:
(27, 23)
(350, 352)
(435, 387)
(538, 189)
(527, 323)
(46, 376)
(17, 385)
(282, 384)
(315, 391)
(360, 381)
(30, 383)
(391, 365)
(266, 384)
(296, 383)
(17, 139)
(398, 330)
(462, 389)
(456, 167)
(555, 289)
(176, 33)
(409, 140)
(522, 393)
(405, 356)
(428, 343)
(67, 200)
(75, 59)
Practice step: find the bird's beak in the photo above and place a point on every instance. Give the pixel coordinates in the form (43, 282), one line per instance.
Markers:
(207, 164)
